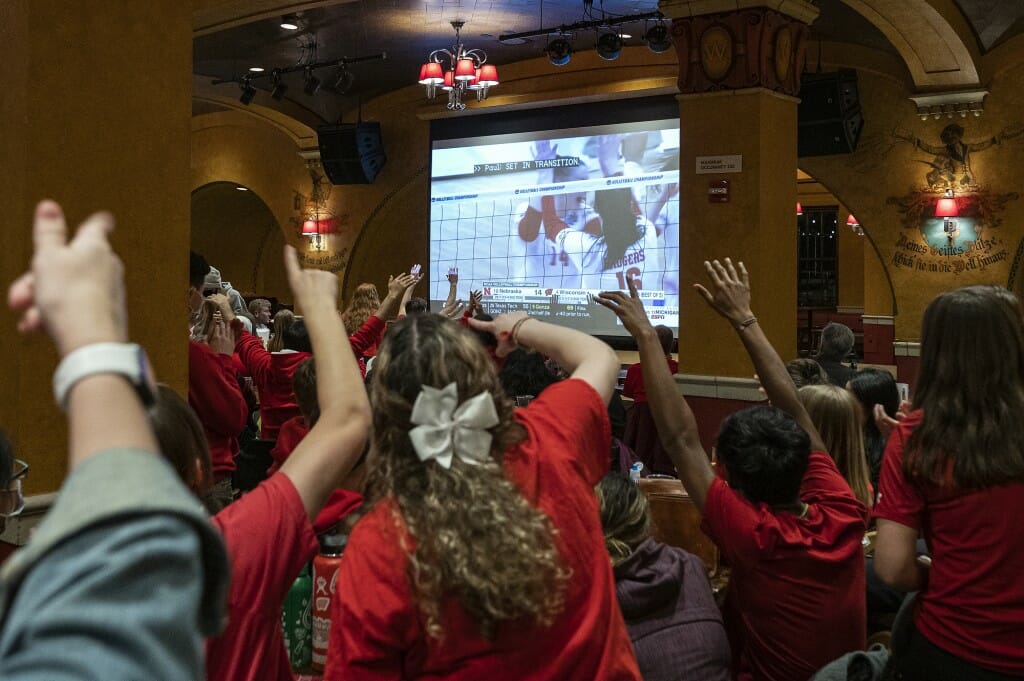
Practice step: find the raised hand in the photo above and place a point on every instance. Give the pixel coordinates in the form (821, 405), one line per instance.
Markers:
(501, 327)
(220, 339)
(399, 283)
(75, 291)
(312, 288)
(453, 275)
(885, 423)
(730, 290)
(544, 150)
(415, 269)
(223, 305)
(476, 302)
(627, 308)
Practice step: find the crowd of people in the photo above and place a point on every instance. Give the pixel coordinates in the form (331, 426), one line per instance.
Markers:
(490, 532)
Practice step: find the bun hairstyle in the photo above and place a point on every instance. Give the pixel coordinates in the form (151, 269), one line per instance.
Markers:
(475, 537)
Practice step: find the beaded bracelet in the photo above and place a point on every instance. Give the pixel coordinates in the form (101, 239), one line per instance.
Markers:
(746, 323)
(514, 334)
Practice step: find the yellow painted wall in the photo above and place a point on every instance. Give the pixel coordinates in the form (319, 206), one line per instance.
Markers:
(95, 113)
(884, 167)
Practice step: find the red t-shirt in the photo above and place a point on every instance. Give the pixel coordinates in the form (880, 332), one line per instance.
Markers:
(973, 604)
(216, 398)
(378, 633)
(796, 595)
(269, 538)
(633, 386)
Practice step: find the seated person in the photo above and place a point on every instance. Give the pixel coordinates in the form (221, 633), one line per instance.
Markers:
(836, 344)
(663, 592)
(641, 432)
(783, 517)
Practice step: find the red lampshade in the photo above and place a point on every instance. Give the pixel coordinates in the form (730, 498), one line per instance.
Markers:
(799, 209)
(310, 228)
(475, 83)
(487, 75)
(851, 221)
(465, 69)
(448, 82)
(431, 73)
(946, 208)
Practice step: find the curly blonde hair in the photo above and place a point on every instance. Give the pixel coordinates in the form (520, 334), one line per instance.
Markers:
(363, 304)
(475, 536)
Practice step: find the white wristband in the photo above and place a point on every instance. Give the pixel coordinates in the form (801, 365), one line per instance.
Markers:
(126, 359)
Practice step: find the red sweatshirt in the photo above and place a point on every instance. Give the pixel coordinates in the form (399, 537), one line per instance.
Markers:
(214, 395)
(272, 372)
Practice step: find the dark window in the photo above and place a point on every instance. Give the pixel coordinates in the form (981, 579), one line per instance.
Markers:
(817, 243)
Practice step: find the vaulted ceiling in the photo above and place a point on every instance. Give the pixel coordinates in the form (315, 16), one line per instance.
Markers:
(407, 30)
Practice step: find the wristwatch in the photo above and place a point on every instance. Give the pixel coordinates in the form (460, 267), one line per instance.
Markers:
(126, 359)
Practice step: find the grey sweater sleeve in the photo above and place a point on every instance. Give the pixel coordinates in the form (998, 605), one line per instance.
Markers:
(118, 600)
(112, 491)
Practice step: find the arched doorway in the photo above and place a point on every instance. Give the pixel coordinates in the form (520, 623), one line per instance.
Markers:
(239, 235)
(831, 241)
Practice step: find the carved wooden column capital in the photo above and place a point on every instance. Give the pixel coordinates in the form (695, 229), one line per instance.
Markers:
(738, 44)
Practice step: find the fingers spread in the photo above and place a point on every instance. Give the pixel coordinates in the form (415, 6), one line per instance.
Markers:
(712, 273)
(731, 270)
(743, 274)
(705, 294)
(49, 229)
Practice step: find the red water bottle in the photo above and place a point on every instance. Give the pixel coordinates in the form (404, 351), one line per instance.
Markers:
(325, 579)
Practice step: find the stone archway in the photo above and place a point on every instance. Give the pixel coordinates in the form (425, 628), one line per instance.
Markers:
(238, 234)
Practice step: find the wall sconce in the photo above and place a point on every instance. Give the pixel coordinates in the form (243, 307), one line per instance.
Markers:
(317, 221)
(799, 209)
(946, 209)
(852, 223)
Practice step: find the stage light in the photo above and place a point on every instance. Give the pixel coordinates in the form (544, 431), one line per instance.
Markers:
(559, 51)
(658, 38)
(609, 46)
(343, 81)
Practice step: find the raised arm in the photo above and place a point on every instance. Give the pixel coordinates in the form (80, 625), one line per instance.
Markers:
(75, 291)
(407, 296)
(453, 287)
(397, 288)
(730, 297)
(676, 424)
(333, 446)
(582, 356)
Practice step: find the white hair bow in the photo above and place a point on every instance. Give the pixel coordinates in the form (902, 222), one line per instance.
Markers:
(445, 428)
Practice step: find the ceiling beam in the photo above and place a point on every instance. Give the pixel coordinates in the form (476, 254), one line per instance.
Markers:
(210, 16)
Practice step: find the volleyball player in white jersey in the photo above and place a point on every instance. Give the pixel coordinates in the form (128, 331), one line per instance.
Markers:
(628, 245)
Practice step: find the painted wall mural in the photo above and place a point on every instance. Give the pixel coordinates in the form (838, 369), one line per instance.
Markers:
(968, 239)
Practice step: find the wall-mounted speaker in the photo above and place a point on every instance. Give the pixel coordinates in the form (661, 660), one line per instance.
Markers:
(351, 153)
(829, 115)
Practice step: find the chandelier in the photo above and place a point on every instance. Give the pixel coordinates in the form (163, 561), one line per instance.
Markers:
(458, 71)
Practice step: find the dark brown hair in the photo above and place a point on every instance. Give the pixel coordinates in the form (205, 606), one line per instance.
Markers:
(971, 388)
(181, 439)
(304, 384)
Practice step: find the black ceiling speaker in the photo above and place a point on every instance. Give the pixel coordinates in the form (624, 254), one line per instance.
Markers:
(351, 153)
(829, 115)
